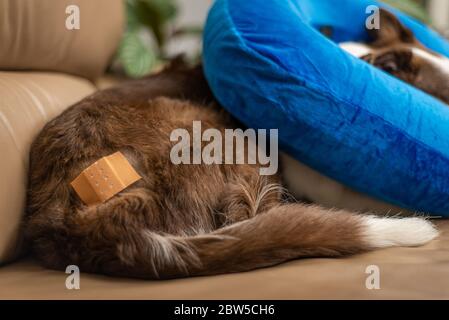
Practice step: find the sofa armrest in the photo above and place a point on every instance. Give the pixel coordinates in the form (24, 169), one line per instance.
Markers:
(45, 35)
(27, 102)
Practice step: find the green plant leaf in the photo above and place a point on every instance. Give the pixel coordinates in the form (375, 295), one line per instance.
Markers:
(136, 58)
(412, 8)
(134, 55)
(166, 9)
(155, 14)
(132, 18)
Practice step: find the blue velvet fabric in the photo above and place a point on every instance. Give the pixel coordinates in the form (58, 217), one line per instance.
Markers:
(269, 66)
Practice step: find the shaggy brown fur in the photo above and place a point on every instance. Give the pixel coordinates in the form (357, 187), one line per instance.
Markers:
(179, 220)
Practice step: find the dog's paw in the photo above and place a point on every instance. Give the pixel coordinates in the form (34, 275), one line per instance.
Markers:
(391, 232)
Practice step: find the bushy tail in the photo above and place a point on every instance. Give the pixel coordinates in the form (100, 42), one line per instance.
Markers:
(119, 244)
(283, 233)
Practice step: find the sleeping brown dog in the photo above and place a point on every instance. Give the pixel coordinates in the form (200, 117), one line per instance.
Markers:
(396, 50)
(178, 220)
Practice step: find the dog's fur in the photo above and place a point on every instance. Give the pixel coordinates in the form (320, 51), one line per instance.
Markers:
(396, 50)
(179, 220)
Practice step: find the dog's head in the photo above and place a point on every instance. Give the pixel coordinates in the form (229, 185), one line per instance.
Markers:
(396, 50)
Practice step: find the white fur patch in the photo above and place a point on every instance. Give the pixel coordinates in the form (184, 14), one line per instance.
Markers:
(440, 62)
(391, 232)
(358, 50)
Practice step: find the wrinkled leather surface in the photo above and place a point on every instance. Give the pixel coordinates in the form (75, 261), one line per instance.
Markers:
(33, 35)
(405, 273)
(27, 101)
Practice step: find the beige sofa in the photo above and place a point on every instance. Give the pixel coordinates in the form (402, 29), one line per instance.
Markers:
(62, 66)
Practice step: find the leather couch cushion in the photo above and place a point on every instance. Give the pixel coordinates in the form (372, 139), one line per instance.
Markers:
(27, 101)
(405, 273)
(33, 35)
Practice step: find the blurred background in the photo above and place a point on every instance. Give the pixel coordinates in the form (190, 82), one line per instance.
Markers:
(160, 29)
